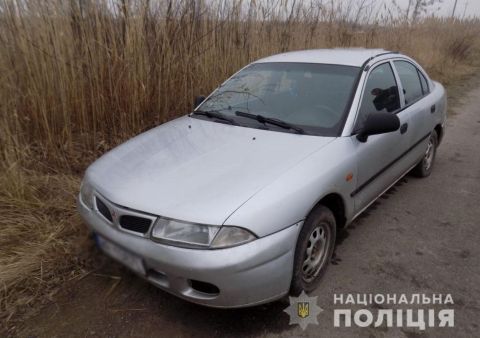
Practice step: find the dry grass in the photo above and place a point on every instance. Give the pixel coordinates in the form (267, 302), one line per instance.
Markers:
(41, 238)
(77, 77)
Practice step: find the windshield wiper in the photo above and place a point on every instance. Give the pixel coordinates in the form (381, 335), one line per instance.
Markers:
(277, 122)
(215, 114)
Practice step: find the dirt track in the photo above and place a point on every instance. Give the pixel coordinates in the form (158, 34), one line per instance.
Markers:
(421, 237)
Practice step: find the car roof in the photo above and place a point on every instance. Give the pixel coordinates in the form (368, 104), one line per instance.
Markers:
(337, 56)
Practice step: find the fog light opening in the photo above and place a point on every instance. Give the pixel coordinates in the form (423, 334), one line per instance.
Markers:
(204, 287)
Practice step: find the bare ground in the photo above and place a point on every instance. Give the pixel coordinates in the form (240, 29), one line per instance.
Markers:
(420, 237)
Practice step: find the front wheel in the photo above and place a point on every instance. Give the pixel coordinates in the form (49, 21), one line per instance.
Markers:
(425, 166)
(314, 250)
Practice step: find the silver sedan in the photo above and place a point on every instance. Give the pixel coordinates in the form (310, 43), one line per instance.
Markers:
(239, 202)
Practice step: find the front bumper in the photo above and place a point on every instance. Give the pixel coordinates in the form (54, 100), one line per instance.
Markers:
(246, 275)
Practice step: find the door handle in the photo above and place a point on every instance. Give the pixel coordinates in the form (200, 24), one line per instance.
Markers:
(432, 109)
(403, 128)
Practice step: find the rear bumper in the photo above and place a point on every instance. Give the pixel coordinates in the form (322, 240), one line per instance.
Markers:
(246, 275)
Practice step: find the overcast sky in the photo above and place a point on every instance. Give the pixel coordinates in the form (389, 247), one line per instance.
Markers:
(446, 7)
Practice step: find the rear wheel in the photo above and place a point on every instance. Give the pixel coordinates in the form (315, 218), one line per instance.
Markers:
(425, 166)
(314, 250)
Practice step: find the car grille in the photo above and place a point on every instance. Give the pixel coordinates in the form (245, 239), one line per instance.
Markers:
(135, 223)
(103, 209)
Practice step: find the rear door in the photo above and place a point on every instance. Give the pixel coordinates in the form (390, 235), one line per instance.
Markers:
(415, 89)
(380, 159)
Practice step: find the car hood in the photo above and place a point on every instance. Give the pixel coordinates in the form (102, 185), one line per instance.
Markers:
(197, 170)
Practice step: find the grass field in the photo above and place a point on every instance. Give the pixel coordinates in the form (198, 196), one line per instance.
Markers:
(79, 77)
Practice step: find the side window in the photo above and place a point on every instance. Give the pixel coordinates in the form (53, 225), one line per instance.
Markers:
(380, 93)
(410, 79)
(424, 83)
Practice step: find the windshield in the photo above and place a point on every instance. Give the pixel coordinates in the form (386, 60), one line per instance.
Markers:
(313, 97)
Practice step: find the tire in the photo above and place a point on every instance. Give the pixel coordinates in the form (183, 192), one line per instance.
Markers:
(425, 166)
(318, 230)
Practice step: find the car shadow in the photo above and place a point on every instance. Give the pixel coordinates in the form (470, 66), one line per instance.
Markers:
(158, 307)
(121, 303)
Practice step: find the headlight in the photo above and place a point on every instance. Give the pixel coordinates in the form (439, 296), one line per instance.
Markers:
(202, 235)
(183, 232)
(86, 194)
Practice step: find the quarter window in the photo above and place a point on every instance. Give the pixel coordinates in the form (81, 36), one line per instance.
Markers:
(410, 79)
(380, 93)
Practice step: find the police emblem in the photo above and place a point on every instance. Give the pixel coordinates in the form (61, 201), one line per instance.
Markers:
(303, 310)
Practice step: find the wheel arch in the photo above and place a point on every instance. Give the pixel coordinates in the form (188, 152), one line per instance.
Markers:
(336, 203)
(439, 130)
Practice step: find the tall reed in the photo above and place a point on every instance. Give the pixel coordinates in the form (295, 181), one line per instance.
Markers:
(79, 76)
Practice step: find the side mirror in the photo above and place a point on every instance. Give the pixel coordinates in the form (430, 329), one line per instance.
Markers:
(198, 100)
(378, 123)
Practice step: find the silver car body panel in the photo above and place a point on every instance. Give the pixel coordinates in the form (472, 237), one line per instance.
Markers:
(291, 197)
(266, 181)
(196, 170)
